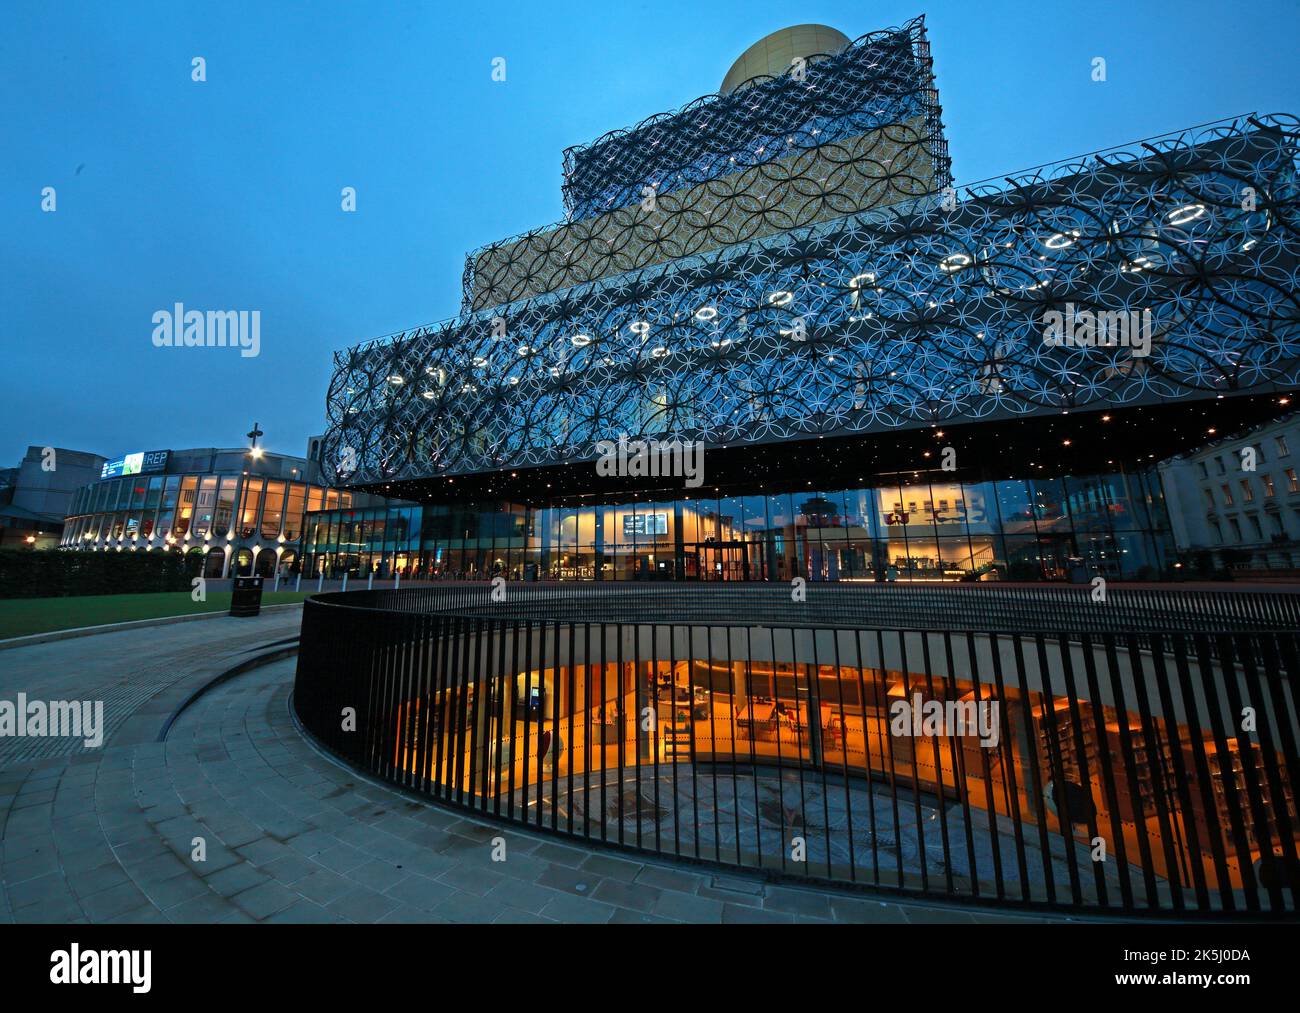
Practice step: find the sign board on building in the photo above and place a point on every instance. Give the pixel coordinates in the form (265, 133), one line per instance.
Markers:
(144, 462)
(644, 524)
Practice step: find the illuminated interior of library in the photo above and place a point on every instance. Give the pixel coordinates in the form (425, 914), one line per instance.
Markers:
(922, 528)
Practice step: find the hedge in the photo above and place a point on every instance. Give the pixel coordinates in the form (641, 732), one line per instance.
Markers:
(57, 573)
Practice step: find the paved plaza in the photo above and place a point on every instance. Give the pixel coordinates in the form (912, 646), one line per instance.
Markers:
(109, 834)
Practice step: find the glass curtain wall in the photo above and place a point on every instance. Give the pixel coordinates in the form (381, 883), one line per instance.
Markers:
(913, 527)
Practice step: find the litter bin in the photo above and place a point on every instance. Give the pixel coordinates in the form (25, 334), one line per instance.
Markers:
(246, 598)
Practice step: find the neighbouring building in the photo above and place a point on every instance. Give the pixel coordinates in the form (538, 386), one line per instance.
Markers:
(241, 508)
(1235, 503)
(36, 496)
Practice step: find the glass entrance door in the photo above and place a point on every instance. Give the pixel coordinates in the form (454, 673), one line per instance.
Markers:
(718, 561)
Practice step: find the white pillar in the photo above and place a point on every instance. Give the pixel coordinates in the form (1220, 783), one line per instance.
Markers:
(370, 581)
(320, 584)
(297, 584)
(345, 580)
(397, 579)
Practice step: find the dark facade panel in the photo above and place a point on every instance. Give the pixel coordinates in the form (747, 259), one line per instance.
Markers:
(881, 78)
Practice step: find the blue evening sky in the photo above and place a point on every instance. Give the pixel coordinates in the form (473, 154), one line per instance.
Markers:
(225, 194)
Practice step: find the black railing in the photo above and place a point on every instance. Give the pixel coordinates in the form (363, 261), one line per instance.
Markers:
(1023, 746)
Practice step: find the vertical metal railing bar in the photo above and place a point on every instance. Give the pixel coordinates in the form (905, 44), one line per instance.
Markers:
(470, 630)
(397, 699)
(441, 692)
(1131, 772)
(571, 738)
(1007, 763)
(713, 741)
(446, 707)
(1157, 771)
(543, 654)
(1218, 853)
(553, 748)
(1278, 656)
(986, 769)
(957, 757)
(486, 751)
(1035, 787)
(1229, 659)
(473, 685)
(1272, 856)
(424, 700)
(588, 669)
(637, 721)
(378, 686)
(866, 757)
(512, 690)
(735, 738)
(804, 719)
(916, 739)
(674, 763)
(1085, 771)
(604, 755)
(1172, 734)
(818, 745)
(656, 732)
(365, 695)
(1214, 715)
(409, 697)
(780, 764)
(753, 734)
(390, 724)
(527, 720)
(502, 753)
(1115, 842)
(620, 731)
(886, 735)
(844, 769)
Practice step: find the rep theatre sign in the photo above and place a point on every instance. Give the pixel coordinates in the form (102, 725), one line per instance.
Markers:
(145, 462)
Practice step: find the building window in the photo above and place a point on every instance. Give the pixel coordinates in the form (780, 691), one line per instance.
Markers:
(1219, 462)
(1205, 472)
(1227, 495)
(1236, 529)
(1254, 523)
(1268, 486)
(1247, 493)
(1293, 484)
(1282, 449)
(1209, 498)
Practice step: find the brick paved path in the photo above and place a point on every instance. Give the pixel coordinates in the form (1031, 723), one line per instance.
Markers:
(108, 835)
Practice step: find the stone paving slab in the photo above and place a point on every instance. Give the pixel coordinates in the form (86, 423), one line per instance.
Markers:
(289, 835)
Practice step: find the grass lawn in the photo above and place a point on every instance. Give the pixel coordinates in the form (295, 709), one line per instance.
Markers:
(21, 616)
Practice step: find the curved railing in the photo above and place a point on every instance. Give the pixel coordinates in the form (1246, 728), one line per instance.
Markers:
(1034, 747)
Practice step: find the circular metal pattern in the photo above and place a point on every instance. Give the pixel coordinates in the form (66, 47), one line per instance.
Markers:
(917, 314)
